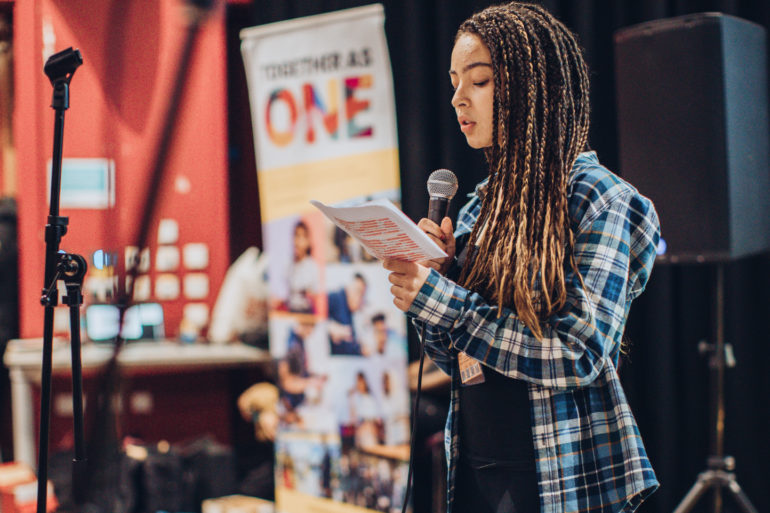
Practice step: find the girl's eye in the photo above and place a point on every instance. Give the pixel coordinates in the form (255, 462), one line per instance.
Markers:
(482, 83)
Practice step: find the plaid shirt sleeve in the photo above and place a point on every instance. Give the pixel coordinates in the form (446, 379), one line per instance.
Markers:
(616, 226)
(437, 343)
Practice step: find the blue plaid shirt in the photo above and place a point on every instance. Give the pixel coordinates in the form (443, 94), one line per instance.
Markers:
(589, 453)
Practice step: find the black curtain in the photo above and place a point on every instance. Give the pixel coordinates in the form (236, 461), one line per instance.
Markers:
(666, 379)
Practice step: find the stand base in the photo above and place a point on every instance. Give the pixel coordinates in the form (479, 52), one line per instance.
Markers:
(717, 478)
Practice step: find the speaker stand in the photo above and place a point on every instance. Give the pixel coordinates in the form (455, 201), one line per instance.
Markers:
(719, 473)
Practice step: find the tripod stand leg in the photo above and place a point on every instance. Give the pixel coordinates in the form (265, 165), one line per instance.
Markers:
(740, 497)
(699, 488)
(45, 411)
(79, 463)
(74, 269)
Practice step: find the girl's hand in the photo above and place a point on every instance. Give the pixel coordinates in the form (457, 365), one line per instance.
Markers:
(407, 279)
(443, 236)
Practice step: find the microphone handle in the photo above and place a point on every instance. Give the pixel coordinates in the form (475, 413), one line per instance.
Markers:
(437, 209)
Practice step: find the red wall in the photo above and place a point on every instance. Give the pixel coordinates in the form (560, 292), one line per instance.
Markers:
(118, 98)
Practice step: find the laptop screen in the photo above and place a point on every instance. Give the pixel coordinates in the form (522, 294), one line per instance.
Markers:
(141, 322)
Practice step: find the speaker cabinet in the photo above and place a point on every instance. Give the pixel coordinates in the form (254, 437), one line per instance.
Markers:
(693, 128)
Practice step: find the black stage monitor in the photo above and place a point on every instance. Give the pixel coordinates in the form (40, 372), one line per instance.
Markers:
(693, 127)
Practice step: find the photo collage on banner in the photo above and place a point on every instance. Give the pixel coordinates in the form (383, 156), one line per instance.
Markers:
(324, 127)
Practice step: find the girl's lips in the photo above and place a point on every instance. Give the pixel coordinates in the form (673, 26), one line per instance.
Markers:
(467, 126)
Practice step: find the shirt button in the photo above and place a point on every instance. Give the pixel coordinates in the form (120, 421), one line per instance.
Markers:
(541, 443)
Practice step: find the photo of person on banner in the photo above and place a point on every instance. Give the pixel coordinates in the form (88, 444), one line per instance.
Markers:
(365, 412)
(294, 377)
(395, 410)
(304, 275)
(384, 341)
(309, 463)
(370, 482)
(343, 304)
(300, 290)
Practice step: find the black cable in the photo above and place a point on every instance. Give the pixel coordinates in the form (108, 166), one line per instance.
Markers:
(159, 165)
(414, 421)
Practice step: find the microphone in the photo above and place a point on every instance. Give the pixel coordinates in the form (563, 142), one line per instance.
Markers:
(442, 186)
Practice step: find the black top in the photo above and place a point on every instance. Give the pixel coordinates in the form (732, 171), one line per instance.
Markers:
(495, 422)
(494, 418)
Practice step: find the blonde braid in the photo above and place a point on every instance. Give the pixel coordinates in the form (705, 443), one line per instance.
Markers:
(540, 125)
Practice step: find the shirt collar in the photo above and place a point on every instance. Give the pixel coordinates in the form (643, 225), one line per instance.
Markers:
(587, 157)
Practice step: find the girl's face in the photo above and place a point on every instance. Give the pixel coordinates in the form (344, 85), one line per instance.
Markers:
(301, 242)
(473, 81)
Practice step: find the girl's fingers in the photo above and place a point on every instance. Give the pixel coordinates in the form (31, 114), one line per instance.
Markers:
(431, 228)
(432, 264)
(401, 304)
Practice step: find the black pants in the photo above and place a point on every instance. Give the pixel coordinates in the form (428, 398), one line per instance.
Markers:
(489, 487)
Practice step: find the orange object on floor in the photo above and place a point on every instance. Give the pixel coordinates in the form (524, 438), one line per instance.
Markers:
(18, 489)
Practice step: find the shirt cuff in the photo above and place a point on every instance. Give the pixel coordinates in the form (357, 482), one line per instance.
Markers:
(439, 302)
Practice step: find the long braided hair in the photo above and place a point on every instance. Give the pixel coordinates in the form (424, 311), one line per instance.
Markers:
(540, 125)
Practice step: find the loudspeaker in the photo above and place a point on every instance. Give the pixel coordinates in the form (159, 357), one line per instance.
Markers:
(693, 129)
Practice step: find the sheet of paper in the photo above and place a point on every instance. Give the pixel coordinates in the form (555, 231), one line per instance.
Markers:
(383, 230)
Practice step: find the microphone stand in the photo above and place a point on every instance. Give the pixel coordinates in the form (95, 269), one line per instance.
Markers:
(720, 473)
(71, 268)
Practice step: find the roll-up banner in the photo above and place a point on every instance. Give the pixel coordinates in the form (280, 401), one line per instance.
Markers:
(322, 106)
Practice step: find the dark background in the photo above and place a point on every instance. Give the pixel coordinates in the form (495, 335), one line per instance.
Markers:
(666, 378)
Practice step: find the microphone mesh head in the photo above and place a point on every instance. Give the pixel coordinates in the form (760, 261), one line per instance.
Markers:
(442, 183)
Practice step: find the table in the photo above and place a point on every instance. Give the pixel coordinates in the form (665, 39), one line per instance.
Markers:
(23, 357)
